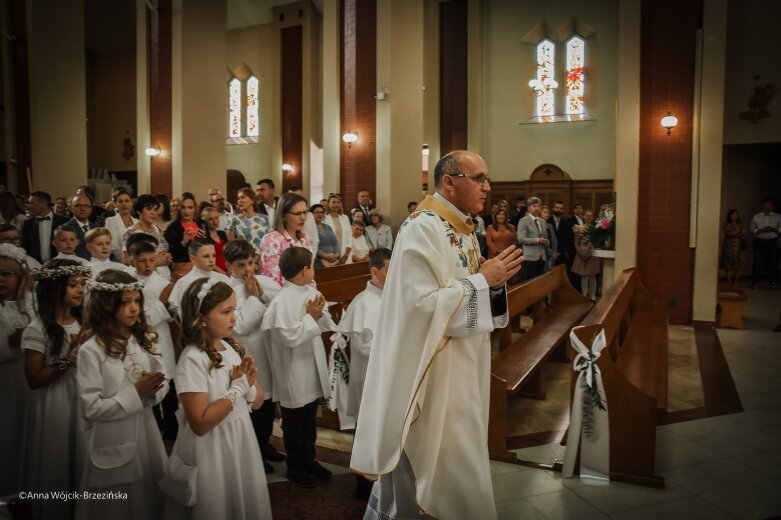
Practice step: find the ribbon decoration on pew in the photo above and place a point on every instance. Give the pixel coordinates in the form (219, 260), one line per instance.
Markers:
(339, 367)
(589, 425)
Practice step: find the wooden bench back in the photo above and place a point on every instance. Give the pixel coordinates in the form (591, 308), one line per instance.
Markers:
(340, 272)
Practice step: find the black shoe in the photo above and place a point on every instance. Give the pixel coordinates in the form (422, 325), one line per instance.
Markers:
(318, 471)
(363, 488)
(271, 454)
(301, 479)
(268, 468)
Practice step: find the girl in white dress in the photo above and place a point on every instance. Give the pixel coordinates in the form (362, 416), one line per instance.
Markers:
(120, 377)
(54, 431)
(16, 311)
(216, 452)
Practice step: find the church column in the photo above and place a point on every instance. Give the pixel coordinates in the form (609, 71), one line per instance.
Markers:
(332, 135)
(199, 82)
(58, 105)
(400, 117)
(710, 131)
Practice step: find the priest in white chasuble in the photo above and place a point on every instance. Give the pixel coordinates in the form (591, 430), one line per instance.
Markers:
(423, 425)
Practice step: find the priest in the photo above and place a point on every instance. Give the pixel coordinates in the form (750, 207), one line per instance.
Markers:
(423, 427)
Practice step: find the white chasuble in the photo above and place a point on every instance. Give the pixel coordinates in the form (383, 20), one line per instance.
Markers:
(427, 386)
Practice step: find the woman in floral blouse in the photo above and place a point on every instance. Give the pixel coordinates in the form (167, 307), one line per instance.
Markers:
(288, 232)
(249, 224)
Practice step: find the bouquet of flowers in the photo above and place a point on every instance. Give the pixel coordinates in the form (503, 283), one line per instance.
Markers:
(602, 233)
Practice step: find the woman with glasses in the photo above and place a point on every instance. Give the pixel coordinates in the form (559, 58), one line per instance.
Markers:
(288, 232)
(378, 235)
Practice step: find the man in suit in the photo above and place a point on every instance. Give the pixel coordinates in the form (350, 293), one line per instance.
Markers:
(38, 230)
(268, 202)
(81, 205)
(558, 220)
(532, 235)
(364, 204)
(518, 212)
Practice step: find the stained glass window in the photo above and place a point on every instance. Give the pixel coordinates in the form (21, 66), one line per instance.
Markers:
(545, 84)
(576, 51)
(234, 108)
(253, 126)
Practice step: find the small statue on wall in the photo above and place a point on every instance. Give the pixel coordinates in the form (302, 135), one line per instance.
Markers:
(129, 149)
(758, 102)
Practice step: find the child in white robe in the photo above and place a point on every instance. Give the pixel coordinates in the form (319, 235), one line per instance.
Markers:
(253, 294)
(204, 259)
(65, 242)
(16, 310)
(292, 327)
(157, 290)
(216, 444)
(98, 244)
(120, 377)
(50, 360)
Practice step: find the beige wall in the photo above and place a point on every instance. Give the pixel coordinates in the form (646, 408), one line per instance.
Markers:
(57, 95)
(199, 96)
(111, 110)
(513, 149)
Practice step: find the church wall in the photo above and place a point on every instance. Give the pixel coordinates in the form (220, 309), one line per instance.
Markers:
(111, 110)
(752, 51)
(585, 150)
(254, 47)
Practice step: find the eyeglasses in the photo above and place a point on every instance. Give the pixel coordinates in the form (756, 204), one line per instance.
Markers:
(479, 178)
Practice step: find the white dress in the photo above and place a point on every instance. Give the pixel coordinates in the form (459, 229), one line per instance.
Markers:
(13, 394)
(54, 430)
(125, 453)
(231, 482)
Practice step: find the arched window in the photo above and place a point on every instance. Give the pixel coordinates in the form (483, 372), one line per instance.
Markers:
(243, 107)
(576, 58)
(545, 84)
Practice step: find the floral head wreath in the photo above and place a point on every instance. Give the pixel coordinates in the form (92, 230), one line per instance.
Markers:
(14, 253)
(115, 287)
(49, 273)
(205, 288)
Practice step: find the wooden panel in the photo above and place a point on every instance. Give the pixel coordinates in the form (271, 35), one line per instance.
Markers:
(292, 101)
(592, 193)
(453, 75)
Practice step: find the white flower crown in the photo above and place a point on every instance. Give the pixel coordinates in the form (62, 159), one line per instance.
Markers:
(14, 253)
(115, 287)
(49, 273)
(205, 288)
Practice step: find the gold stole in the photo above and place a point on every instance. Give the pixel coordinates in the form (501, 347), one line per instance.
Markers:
(465, 227)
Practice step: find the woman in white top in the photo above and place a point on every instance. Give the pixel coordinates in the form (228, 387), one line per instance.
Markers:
(53, 432)
(119, 223)
(223, 473)
(16, 311)
(339, 222)
(120, 377)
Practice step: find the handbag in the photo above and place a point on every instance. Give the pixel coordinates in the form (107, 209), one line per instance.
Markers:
(114, 466)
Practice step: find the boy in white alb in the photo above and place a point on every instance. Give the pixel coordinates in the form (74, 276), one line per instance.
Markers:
(143, 259)
(65, 242)
(358, 325)
(204, 259)
(98, 244)
(292, 328)
(253, 294)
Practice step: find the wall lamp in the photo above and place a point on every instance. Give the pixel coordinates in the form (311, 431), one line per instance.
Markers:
(350, 137)
(669, 122)
(287, 167)
(152, 151)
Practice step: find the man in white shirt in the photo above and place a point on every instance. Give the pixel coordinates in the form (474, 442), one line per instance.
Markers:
(766, 227)
(223, 207)
(268, 202)
(423, 424)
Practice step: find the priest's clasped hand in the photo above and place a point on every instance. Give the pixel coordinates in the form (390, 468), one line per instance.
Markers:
(502, 267)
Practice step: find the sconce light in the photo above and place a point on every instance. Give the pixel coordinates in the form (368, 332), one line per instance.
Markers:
(669, 122)
(287, 167)
(153, 151)
(350, 137)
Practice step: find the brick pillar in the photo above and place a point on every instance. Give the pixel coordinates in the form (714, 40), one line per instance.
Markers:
(664, 258)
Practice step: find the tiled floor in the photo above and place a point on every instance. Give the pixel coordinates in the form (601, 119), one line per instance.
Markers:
(720, 467)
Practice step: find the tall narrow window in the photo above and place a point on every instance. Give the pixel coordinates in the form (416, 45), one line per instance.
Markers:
(545, 84)
(234, 108)
(252, 107)
(576, 50)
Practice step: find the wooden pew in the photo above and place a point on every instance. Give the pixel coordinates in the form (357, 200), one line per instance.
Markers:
(340, 272)
(519, 364)
(634, 372)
